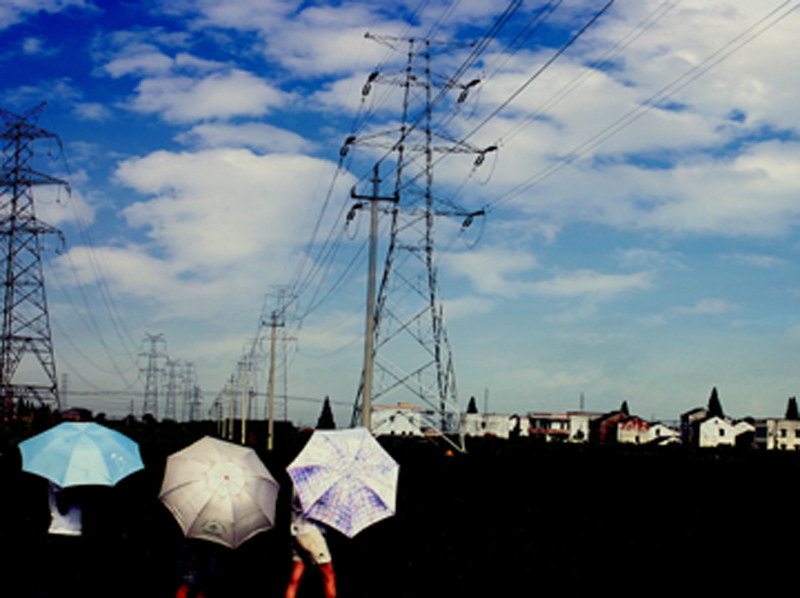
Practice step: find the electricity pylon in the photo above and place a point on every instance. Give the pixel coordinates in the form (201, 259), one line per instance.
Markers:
(191, 393)
(407, 350)
(174, 372)
(153, 373)
(27, 361)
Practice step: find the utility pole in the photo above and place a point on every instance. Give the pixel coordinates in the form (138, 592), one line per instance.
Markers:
(245, 401)
(231, 408)
(26, 336)
(275, 323)
(62, 391)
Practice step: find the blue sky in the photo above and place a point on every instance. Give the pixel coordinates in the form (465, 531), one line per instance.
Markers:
(640, 237)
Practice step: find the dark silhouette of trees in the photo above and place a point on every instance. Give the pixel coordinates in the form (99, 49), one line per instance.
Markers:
(624, 408)
(791, 409)
(325, 421)
(472, 407)
(714, 406)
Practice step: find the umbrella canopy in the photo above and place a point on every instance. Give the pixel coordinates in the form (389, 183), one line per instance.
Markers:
(219, 491)
(345, 479)
(77, 454)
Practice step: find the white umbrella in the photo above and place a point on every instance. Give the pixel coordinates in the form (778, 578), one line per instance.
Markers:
(219, 491)
(345, 479)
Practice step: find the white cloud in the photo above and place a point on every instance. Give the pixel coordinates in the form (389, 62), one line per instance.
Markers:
(649, 258)
(464, 307)
(18, 10)
(758, 261)
(218, 206)
(214, 218)
(218, 96)
(36, 45)
(257, 136)
(587, 283)
(147, 60)
(93, 111)
(152, 62)
(704, 307)
(237, 14)
(491, 269)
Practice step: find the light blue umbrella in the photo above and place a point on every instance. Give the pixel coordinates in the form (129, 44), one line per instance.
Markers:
(78, 454)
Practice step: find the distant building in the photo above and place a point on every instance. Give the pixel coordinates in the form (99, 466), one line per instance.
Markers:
(689, 421)
(720, 431)
(493, 424)
(570, 426)
(77, 414)
(604, 428)
(774, 433)
(549, 426)
(633, 430)
(662, 434)
(403, 419)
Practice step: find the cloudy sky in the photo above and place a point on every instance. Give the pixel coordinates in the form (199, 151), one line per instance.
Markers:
(641, 209)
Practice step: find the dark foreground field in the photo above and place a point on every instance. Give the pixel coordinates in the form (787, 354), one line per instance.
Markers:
(518, 515)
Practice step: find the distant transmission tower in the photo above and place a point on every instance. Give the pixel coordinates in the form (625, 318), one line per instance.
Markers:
(191, 393)
(27, 362)
(174, 372)
(153, 373)
(410, 356)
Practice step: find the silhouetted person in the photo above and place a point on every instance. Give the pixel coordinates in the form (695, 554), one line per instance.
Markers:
(309, 546)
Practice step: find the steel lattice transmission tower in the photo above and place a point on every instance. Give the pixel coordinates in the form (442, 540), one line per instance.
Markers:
(174, 373)
(154, 373)
(191, 393)
(411, 355)
(27, 361)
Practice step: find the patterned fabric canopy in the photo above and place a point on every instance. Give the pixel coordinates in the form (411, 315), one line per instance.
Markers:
(345, 479)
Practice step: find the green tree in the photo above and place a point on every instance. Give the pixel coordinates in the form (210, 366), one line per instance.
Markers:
(791, 409)
(472, 407)
(325, 421)
(624, 408)
(714, 406)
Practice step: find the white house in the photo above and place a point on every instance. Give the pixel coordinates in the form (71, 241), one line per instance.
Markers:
(492, 424)
(718, 431)
(403, 419)
(633, 430)
(774, 433)
(570, 426)
(663, 434)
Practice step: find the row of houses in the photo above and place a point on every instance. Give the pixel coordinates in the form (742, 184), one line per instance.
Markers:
(702, 426)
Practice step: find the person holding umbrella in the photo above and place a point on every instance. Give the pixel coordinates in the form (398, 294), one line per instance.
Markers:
(308, 544)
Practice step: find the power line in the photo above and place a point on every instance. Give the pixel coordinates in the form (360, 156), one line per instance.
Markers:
(732, 46)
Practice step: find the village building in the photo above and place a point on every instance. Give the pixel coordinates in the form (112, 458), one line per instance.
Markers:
(633, 430)
(775, 433)
(604, 428)
(721, 431)
(569, 426)
(403, 419)
(689, 421)
(662, 434)
(493, 424)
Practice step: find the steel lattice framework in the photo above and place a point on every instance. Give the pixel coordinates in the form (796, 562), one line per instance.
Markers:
(154, 373)
(27, 362)
(411, 352)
